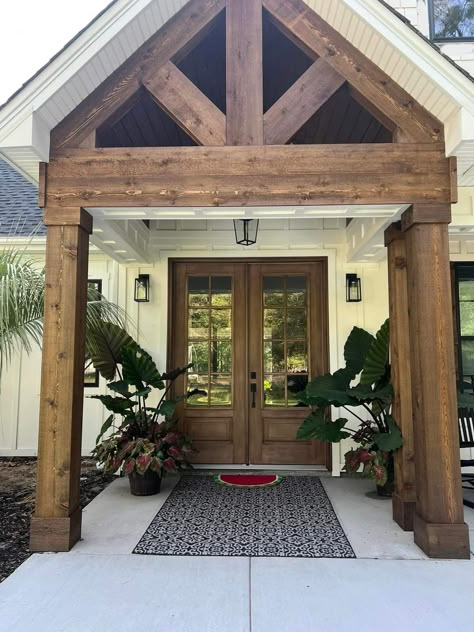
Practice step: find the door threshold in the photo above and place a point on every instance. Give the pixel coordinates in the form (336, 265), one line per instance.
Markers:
(283, 468)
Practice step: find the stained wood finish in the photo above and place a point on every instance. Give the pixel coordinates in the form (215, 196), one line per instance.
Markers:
(56, 525)
(305, 97)
(438, 525)
(404, 498)
(272, 430)
(187, 105)
(177, 34)
(219, 432)
(393, 101)
(223, 434)
(233, 176)
(244, 72)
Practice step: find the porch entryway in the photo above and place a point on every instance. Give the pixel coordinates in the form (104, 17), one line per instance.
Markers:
(255, 332)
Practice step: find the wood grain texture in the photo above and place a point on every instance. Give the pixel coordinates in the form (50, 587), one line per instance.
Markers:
(433, 375)
(244, 69)
(187, 105)
(305, 97)
(43, 167)
(244, 176)
(61, 401)
(110, 95)
(375, 85)
(404, 499)
(427, 214)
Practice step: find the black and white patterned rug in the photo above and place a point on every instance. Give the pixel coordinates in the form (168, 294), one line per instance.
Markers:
(293, 519)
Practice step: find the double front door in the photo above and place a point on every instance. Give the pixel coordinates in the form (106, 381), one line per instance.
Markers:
(255, 333)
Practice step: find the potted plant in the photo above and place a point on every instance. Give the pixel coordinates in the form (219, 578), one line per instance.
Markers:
(145, 441)
(363, 389)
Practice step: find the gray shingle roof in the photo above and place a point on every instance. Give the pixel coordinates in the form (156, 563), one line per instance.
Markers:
(19, 212)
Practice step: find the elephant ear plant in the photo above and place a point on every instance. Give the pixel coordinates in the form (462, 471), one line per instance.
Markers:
(144, 438)
(368, 401)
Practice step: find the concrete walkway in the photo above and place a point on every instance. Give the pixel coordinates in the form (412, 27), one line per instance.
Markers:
(101, 586)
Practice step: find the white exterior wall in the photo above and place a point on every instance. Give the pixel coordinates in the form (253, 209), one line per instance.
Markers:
(416, 11)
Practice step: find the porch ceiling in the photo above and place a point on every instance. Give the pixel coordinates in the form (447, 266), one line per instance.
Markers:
(27, 119)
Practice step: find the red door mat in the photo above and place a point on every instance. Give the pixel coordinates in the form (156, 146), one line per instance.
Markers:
(248, 480)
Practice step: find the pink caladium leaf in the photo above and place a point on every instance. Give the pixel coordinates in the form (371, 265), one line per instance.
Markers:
(129, 465)
(365, 456)
(379, 474)
(171, 438)
(156, 465)
(169, 464)
(175, 452)
(143, 462)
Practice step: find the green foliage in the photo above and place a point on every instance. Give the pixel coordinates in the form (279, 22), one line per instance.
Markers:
(105, 348)
(367, 358)
(139, 368)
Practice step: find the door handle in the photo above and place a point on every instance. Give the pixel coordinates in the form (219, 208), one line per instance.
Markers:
(253, 390)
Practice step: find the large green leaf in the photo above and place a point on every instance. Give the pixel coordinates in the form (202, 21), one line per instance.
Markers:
(356, 349)
(139, 369)
(330, 389)
(366, 394)
(391, 440)
(316, 426)
(172, 375)
(168, 408)
(118, 405)
(105, 426)
(376, 361)
(105, 348)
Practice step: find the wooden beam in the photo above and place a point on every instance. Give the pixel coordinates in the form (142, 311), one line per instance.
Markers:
(244, 70)
(187, 105)
(404, 497)
(439, 526)
(241, 176)
(56, 525)
(374, 84)
(175, 35)
(300, 102)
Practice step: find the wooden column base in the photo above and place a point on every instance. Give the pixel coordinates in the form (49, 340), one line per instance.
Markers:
(442, 541)
(55, 535)
(403, 512)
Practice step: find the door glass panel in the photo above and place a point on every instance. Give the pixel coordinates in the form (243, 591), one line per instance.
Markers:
(209, 339)
(198, 324)
(296, 291)
(221, 390)
(221, 291)
(198, 289)
(285, 344)
(274, 323)
(273, 291)
(296, 323)
(221, 323)
(221, 354)
(200, 382)
(198, 356)
(467, 347)
(466, 316)
(274, 357)
(274, 390)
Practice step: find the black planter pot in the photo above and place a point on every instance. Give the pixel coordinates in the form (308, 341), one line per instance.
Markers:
(385, 490)
(144, 484)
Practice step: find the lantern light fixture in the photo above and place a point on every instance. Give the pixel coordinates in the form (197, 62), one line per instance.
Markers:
(353, 289)
(142, 288)
(246, 231)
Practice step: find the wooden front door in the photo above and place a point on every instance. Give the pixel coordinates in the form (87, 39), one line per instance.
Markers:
(255, 333)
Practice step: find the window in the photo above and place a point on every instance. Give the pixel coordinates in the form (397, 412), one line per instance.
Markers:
(451, 20)
(464, 294)
(91, 375)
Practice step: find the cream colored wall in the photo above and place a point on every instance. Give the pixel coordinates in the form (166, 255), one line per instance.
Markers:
(20, 384)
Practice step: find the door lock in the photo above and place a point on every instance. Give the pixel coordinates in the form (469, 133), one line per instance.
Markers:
(253, 390)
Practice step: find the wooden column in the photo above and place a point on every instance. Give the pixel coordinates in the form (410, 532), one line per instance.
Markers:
(244, 69)
(404, 497)
(439, 526)
(56, 525)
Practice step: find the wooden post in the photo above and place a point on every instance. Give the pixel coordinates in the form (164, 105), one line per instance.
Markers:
(244, 70)
(404, 497)
(439, 526)
(56, 525)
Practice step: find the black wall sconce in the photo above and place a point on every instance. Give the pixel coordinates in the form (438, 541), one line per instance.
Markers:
(246, 231)
(142, 288)
(353, 289)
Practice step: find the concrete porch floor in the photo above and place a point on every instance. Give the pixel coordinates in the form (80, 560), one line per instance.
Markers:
(101, 585)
